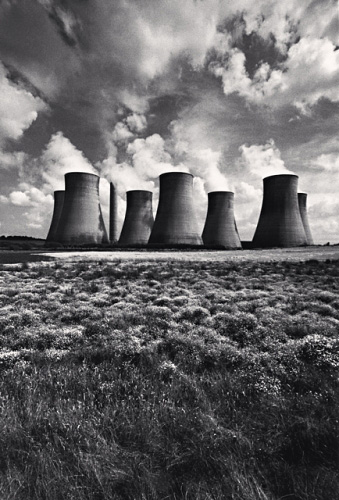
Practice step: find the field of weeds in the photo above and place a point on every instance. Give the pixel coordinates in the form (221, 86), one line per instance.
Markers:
(169, 380)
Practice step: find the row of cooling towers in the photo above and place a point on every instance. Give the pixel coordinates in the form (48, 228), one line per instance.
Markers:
(77, 217)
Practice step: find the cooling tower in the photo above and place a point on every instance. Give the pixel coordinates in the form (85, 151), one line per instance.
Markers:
(58, 204)
(175, 222)
(81, 219)
(113, 214)
(138, 219)
(302, 199)
(220, 228)
(280, 223)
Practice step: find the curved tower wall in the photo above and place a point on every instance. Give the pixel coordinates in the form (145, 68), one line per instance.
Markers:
(139, 218)
(175, 222)
(81, 220)
(280, 223)
(58, 204)
(113, 214)
(220, 227)
(302, 199)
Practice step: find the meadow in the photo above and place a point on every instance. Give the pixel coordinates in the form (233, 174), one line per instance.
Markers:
(169, 379)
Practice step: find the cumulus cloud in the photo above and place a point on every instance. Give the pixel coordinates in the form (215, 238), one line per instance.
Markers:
(59, 157)
(13, 160)
(37, 204)
(18, 108)
(121, 133)
(312, 72)
(235, 79)
(309, 73)
(136, 122)
(285, 20)
(28, 196)
(20, 198)
(328, 162)
(247, 193)
(132, 100)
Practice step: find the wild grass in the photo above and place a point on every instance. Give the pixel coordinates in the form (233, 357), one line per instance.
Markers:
(170, 380)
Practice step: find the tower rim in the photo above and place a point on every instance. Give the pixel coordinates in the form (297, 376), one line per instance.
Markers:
(139, 191)
(175, 173)
(281, 176)
(82, 174)
(220, 192)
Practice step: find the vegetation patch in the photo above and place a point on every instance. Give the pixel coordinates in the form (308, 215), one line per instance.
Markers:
(169, 380)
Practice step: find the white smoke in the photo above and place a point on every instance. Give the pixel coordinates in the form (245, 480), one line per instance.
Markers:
(193, 145)
(58, 158)
(145, 159)
(262, 160)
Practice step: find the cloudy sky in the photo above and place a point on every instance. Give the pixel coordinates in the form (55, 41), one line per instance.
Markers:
(129, 89)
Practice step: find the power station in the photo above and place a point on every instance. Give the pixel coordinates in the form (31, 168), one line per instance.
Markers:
(81, 220)
(220, 227)
(280, 223)
(58, 204)
(77, 217)
(139, 218)
(302, 200)
(175, 221)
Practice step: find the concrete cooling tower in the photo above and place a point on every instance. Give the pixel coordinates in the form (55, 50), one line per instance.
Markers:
(138, 219)
(280, 223)
(175, 222)
(58, 204)
(113, 214)
(220, 227)
(302, 199)
(81, 220)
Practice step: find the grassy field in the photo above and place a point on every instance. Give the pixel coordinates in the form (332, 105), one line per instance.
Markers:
(169, 379)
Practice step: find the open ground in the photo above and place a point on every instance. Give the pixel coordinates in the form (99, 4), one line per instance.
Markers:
(273, 255)
(169, 375)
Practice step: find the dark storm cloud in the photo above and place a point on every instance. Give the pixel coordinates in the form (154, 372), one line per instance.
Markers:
(30, 44)
(18, 78)
(70, 32)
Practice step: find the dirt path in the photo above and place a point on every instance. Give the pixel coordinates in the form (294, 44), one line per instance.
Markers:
(292, 254)
(274, 255)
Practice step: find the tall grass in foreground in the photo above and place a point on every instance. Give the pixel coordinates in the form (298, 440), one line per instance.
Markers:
(169, 381)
